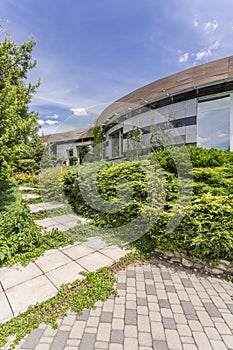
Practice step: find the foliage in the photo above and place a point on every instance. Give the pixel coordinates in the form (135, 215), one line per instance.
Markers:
(98, 135)
(134, 144)
(49, 158)
(20, 239)
(51, 184)
(206, 229)
(27, 178)
(76, 296)
(28, 156)
(200, 158)
(17, 123)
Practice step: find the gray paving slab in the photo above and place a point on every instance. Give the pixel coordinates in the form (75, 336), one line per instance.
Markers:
(29, 293)
(65, 274)
(26, 188)
(78, 251)
(5, 310)
(96, 243)
(61, 222)
(31, 196)
(12, 276)
(52, 261)
(94, 261)
(35, 208)
(113, 252)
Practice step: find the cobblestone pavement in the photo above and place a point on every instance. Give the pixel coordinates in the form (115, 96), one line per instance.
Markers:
(159, 307)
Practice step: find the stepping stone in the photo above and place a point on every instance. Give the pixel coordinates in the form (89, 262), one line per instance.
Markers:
(6, 313)
(94, 261)
(35, 208)
(30, 196)
(25, 188)
(66, 274)
(52, 260)
(29, 293)
(61, 222)
(12, 276)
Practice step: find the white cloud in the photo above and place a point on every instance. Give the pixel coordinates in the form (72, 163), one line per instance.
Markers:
(55, 116)
(215, 45)
(202, 54)
(184, 57)
(195, 22)
(51, 122)
(79, 112)
(209, 26)
(207, 52)
(48, 121)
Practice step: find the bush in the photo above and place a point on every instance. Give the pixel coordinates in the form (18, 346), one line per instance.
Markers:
(20, 239)
(205, 230)
(26, 178)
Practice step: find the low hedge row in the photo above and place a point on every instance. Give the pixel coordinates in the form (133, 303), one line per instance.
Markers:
(205, 230)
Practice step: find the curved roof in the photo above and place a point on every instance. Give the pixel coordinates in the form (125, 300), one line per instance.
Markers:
(209, 73)
(69, 136)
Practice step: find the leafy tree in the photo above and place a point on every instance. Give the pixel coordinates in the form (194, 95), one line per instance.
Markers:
(18, 126)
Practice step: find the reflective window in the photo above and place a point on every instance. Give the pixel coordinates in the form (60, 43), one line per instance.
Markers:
(213, 123)
(117, 144)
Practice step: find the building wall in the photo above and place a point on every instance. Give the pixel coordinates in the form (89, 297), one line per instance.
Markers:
(170, 114)
(62, 150)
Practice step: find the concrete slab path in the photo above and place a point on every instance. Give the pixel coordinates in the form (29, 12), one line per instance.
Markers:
(159, 307)
(40, 280)
(35, 208)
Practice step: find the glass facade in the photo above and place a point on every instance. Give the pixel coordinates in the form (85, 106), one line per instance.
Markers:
(213, 123)
(117, 144)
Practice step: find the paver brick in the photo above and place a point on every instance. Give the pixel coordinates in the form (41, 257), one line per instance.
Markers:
(104, 332)
(87, 341)
(218, 345)
(173, 339)
(157, 331)
(130, 331)
(130, 317)
(160, 345)
(33, 339)
(60, 340)
(77, 329)
(117, 336)
(130, 343)
(212, 333)
(144, 339)
(118, 323)
(143, 323)
(202, 341)
(169, 323)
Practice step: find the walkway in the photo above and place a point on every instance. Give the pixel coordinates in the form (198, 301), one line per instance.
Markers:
(158, 307)
(40, 280)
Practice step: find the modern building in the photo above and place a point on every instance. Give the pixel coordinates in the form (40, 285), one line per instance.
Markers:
(71, 146)
(192, 107)
(197, 103)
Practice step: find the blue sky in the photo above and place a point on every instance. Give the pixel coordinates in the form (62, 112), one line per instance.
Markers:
(91, 53)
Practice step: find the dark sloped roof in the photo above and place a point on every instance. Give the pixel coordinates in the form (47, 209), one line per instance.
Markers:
(195, 77)
(74, 135)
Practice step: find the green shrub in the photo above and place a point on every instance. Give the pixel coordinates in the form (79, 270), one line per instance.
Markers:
(205, 230)
(20, 239)
(27, 178)
(51, 184)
